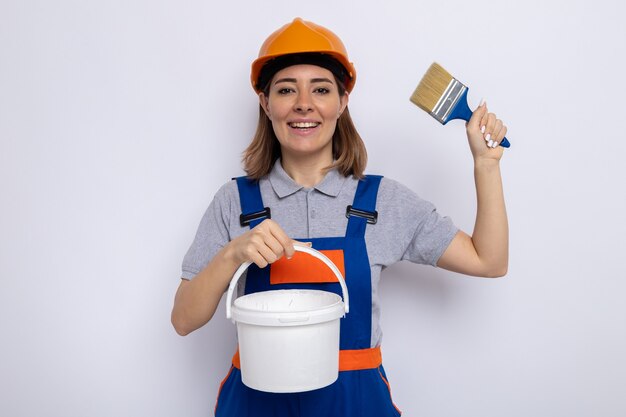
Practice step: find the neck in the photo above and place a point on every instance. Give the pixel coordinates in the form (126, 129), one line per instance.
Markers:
(307, 172)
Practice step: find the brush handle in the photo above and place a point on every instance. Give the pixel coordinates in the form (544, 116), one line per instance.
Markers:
(462, 111)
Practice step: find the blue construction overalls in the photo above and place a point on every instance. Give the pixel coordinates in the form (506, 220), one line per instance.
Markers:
(362, 389)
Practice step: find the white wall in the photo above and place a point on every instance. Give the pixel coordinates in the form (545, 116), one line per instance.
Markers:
(120, 119)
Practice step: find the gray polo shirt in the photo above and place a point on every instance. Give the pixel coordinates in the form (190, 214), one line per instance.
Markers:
(408, 228)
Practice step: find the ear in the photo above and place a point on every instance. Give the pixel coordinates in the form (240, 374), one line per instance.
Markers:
(264, 102)
(343, 100)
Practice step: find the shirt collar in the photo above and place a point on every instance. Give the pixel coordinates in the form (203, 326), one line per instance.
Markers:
(284, 185)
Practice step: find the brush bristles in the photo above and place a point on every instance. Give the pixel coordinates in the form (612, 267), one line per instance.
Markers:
(432, 86)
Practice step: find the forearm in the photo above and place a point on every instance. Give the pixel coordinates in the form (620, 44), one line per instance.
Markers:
(491, 230)
(196, 300)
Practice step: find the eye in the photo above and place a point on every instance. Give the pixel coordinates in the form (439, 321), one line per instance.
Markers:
(285, 90)
(322, 90)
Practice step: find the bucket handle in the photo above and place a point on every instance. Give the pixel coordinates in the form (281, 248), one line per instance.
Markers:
(298, 248)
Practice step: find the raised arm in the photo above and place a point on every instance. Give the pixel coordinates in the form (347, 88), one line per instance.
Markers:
(486, 252)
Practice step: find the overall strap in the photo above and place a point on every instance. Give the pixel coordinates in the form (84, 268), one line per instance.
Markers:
(363, 208)
(252, 210)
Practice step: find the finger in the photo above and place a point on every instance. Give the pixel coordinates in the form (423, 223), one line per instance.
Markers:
(477, 116)
(268, 254)
(295, 243)
(281, 238)
(266, 243)
(300, 243)
(489, 125)
(255, 250)
(496, 135)
(274, 245)
(483, 119)
(258, 260)
(501, 135)
(495, 139)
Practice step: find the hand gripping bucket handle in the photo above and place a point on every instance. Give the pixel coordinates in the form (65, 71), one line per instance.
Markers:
(305, 249)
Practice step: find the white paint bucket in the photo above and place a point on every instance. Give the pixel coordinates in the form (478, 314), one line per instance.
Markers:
(288, 339)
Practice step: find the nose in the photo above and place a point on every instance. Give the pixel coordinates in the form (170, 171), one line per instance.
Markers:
(303, 102)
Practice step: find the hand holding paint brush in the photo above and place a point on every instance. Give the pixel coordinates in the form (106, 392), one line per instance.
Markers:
(445, 98)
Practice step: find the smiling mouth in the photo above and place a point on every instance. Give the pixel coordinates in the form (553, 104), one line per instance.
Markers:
(304, 125)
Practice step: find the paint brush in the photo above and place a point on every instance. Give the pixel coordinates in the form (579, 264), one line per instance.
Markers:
(444, 97)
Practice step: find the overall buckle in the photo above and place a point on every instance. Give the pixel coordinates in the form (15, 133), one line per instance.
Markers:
(370, 216)
(246, 219)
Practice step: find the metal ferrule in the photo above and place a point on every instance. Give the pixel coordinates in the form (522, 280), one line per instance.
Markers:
(448, 100)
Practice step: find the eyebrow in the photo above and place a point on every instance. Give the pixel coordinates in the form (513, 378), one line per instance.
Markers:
(293, 80)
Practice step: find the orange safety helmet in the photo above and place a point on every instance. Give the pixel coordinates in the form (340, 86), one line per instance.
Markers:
(301, 37)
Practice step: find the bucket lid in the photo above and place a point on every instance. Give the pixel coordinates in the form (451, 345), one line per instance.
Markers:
(287, 308)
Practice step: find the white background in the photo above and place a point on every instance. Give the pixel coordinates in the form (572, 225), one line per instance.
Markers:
(120, 119)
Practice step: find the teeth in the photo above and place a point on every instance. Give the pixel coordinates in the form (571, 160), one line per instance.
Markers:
(303, 125)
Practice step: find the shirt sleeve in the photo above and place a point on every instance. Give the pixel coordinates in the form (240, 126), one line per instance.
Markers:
(431, 239)
(212, 234)
(415, 231)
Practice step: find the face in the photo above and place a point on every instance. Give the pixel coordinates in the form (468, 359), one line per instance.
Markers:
(304, 104)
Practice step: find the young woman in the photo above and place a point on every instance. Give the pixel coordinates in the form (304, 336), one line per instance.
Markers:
(305, 164)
